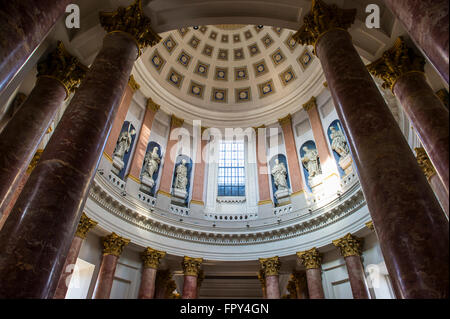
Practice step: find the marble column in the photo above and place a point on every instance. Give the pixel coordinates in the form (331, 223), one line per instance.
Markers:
(271, 267)
(291, 154)
(144, 138)
(327, 162)
(60, 183)
(402, 70)
(151, 258)
(191, 267)
(58, 75)
(24, 25)
(436, 183)
(113, 246)
(263, 169)
(84, 226)
(409, 222)
(426, 21)
(169, 158)
(312, 260)
(351, 249)
(121, 114)
(262, 280)
(200, 166)
(301, 285)
(162, 279)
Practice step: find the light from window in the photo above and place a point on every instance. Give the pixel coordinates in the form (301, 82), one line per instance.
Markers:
(231, 177)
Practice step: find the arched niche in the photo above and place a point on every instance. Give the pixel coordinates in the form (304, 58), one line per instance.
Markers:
(336, 124)
(310, 145)
(282, 159)
(126, 127)
(150, 146)
(189, 171)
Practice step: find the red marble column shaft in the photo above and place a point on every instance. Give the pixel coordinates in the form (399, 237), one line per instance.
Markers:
(13, 200)
(199, 176)
(410, 224)
(426, 21)
(439, 191)
(20, 138)
(295, 176)
(189, 287)
(272, 287)
(147, 288)
(263, 170)
(429, 117)
(106, 277)
(23, 26)
(314, 281)
(356, 276)
(141, 145)
(118, 121)
(63, 284)
(60, 182)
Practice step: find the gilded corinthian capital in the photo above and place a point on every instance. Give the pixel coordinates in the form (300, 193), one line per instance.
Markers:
(424, 162)
(349, 245)
(191, 266)
(113, 244)
(270, 266)
(312, 103)
(34, 161)
(63, 67)
(311, 259)
(131, 20)
(84, 226)
(151, 257)
(133, 84)
(323, 18)
(395, 62)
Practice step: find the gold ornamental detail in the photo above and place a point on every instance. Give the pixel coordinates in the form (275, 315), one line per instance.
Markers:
(311, 259)
(424, 162)
(442, 94)
(34, 161)
(270, 266)
(395, 62)
(63, 67)
(349, 245)
(84, 226)
(370, 225)
(285, 120)
(292, 289)
(113, 244)
(176, 122)
(262, 277)
(151, 257)
(312, 103)
(133, 21)
(133, 84)
(191, 266)
(152, 106)
(321, 19)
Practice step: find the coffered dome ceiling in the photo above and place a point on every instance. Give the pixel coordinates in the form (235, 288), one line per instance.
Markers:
(229, 75)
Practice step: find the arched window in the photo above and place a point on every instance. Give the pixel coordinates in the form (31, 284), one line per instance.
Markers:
(231, 177)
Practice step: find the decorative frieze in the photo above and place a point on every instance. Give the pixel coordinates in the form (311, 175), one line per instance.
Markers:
(424, 162)
(151, 257)
(191, 266)
(270, 266)
(311, 259)
(113, 244)
(84, 225)
(349, 245)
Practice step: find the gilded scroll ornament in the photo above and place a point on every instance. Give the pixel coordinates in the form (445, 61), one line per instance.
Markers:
(311, 259)
(84, 225)
(191, 266)
(349, 245)
(312, 103)
(270, 266)
(151, 257)
(113, 244)
(424, 162)
(133, 84)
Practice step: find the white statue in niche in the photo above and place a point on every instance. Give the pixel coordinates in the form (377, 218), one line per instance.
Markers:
(181, 179)
(279, 174)
(124, 142)
(151, 163)
(338, 142)
(311, 162)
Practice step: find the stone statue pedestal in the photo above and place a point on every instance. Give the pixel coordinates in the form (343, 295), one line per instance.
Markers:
(315, 183)
(118, 164)
(346, 164)
(283, 197)
(147, 184)
(179, 196)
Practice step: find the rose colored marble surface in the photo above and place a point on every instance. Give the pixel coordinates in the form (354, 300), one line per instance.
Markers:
(427, 23)
(409, 222)
(142, 143)
(13, 199)
(429, 117)
(356, 276)
(295, 176)
(106, 277)
(263, 170)
(199, 170)
(20, 138)
(147, 288)
(63, 283)
(272, 287)
(439, 190)
(23, 26)
(32, 256)
(314, 280)
(118, 121)
(189, 287)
